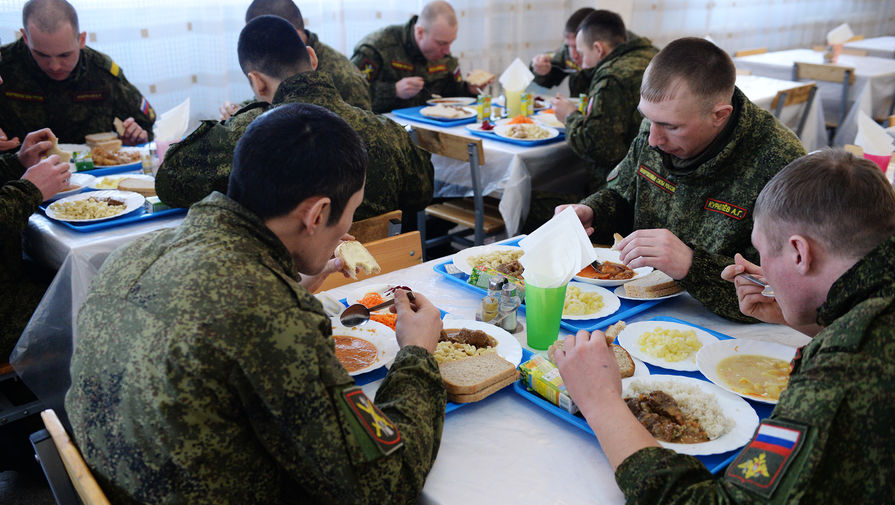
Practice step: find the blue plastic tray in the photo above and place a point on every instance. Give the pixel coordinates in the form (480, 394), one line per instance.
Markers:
(716, 463)
(413, 114)
(136, 216)
(99, 172)
(490, 135)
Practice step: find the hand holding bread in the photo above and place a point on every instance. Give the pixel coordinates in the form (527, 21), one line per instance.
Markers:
(589, 370)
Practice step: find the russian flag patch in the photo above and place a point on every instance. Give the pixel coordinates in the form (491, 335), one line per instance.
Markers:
(762, 463)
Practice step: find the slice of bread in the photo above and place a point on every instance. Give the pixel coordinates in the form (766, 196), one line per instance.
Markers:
(96, 138)
(616, 238)
(355, 256)
(108, 145)
(119, 126)
(476, 373)
(479, 77)
(64, 156)
(484, 393)
(654, 285)
(622, 358)
(145, 187)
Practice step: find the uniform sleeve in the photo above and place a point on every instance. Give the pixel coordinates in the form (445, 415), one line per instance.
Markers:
(704, 282)
(613, 205)
(18, 198)
(598, 134)
(556, 74)
(129, 102)
(382, 92)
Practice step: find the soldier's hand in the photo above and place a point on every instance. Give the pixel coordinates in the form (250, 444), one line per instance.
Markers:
(751, 301)
(418, 322)
(541, 64)
(7, 144)
(562, 107)
(585, 215)
(133, 133)
(409, 87)
(35, 146)
(50, 176)
(657, 248)
(227, 110)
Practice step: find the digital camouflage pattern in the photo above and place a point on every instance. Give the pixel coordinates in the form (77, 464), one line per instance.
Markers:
(399, 175)
(20, 293)
(708, 207)
(841, 387)
(229, 392)
(86, 102)
(348, 80)
(603, 133)
(388, 55)
(560, 62)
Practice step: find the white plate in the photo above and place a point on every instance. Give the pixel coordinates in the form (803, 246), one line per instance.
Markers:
(468, 113)
(549, 119)
(620, 292)
(629, 336)
(80, 180)
(501, 131)
(132, 202)
(451, 101)
(381, 289)
(640, 369)
(709, 356)
(732, 406)
(507, 346)
(611, 303)
(377, 334)
(111, 181)
(460, 259)
(604, 254)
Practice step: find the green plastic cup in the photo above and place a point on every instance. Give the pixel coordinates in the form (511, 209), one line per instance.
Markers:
(543, 311)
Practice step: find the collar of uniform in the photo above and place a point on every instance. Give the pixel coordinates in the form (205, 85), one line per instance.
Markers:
(870, 277)
(230, 215)
(305, 85)
(633, 43)
(409, 41)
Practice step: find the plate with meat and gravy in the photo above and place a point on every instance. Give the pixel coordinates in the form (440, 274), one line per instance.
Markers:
(612, 271)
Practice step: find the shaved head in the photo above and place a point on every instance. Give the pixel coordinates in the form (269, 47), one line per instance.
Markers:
(433, 11)
(49, 15)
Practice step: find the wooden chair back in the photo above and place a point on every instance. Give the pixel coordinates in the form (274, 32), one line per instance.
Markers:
(794, 96)
(743, 71)
(448, 144)
(750, 52)
(855, 38)
(376, 227)
(856, 150)
(85, 485)
(392, 253)
(824, 72)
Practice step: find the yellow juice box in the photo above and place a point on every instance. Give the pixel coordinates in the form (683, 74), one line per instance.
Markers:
(542, 377)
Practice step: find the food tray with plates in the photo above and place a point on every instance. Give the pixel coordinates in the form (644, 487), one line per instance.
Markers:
(413, 114)
(137, 216)
(716, 463)
(490, 135)
(627, 308)
(115, 169)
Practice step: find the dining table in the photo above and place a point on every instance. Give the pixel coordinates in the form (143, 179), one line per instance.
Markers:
(762, 91)
(871, 93)
(881, 47)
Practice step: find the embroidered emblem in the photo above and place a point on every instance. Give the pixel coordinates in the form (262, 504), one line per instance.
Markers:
(24, 97)
(590, 105)
(613, 174)
(368, 68)
(376, 424)
(146, 109)
(89, 96)
(573, 65)
(434, 69)
(457, 75)
(728, 209)
(762, 463)
(657, 180)
(400, 65)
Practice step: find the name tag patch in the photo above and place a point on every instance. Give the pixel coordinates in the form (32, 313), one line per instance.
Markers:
(376, 425)
(760, 466)
(434, 69)
(571, 64)
(728, 209)
(400, 65)
(657, 180)
(89, 96)
(22, 96)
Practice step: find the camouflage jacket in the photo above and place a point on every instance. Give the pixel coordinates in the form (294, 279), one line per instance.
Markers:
(399, 175)
(563, 65)
(230, 392)
(603, 133)
(839, 403)
(388, 55)
(708, 207)
(351, 84)
(20, 295)
(86, 102)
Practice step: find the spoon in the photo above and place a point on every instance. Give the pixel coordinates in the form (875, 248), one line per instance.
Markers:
(358, 314)
(767, 291)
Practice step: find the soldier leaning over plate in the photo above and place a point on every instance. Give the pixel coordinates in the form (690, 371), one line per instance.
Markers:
(551, 69)
(685, 191)
(281, 70)
(825, 231)
(54, 81)
(227, 388)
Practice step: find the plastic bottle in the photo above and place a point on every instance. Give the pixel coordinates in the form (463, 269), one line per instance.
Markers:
(491, 302)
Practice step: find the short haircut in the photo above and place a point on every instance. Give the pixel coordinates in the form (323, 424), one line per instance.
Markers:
(294, 152)
(286, 9)
(48, 15)
(575, 20)
(434, 10)
(270, 45)
(842, 201)
(707, 71)
(605, 26)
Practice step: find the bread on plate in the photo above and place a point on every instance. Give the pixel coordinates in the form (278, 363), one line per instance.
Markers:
(476, 377)
(145, 187)
(622, 358)
(656, 284)
(356, 257)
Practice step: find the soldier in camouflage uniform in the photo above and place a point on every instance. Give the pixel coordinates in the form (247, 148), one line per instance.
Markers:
(551, 68)
(688, 183)
(400, 173)
(407, 64)
(610, 121)
(829, 439)
(227, 388)
(75, 92)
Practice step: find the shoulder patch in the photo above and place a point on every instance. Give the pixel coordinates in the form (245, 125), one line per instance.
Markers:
(377, 434)
(760, 466)
(656, 180)
(458, 76)
(146, 109)
(590, 104)
(613, 174)
(728, 209)
(400, 65)
(369, 69)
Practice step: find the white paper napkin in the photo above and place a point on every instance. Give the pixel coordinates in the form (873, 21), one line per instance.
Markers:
(516, 77)
(171, 125)
(872, 137)
(840, 34)
(556, 251)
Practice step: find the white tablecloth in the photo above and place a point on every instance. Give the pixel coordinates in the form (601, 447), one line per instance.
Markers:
(871, 92)
(510, 172)
(762, 90)
(881, 47)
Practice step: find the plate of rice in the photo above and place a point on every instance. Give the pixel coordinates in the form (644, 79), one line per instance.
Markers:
(586, 301)
(490, 255)
(665, 344)
(728, 420)
(95, 206)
